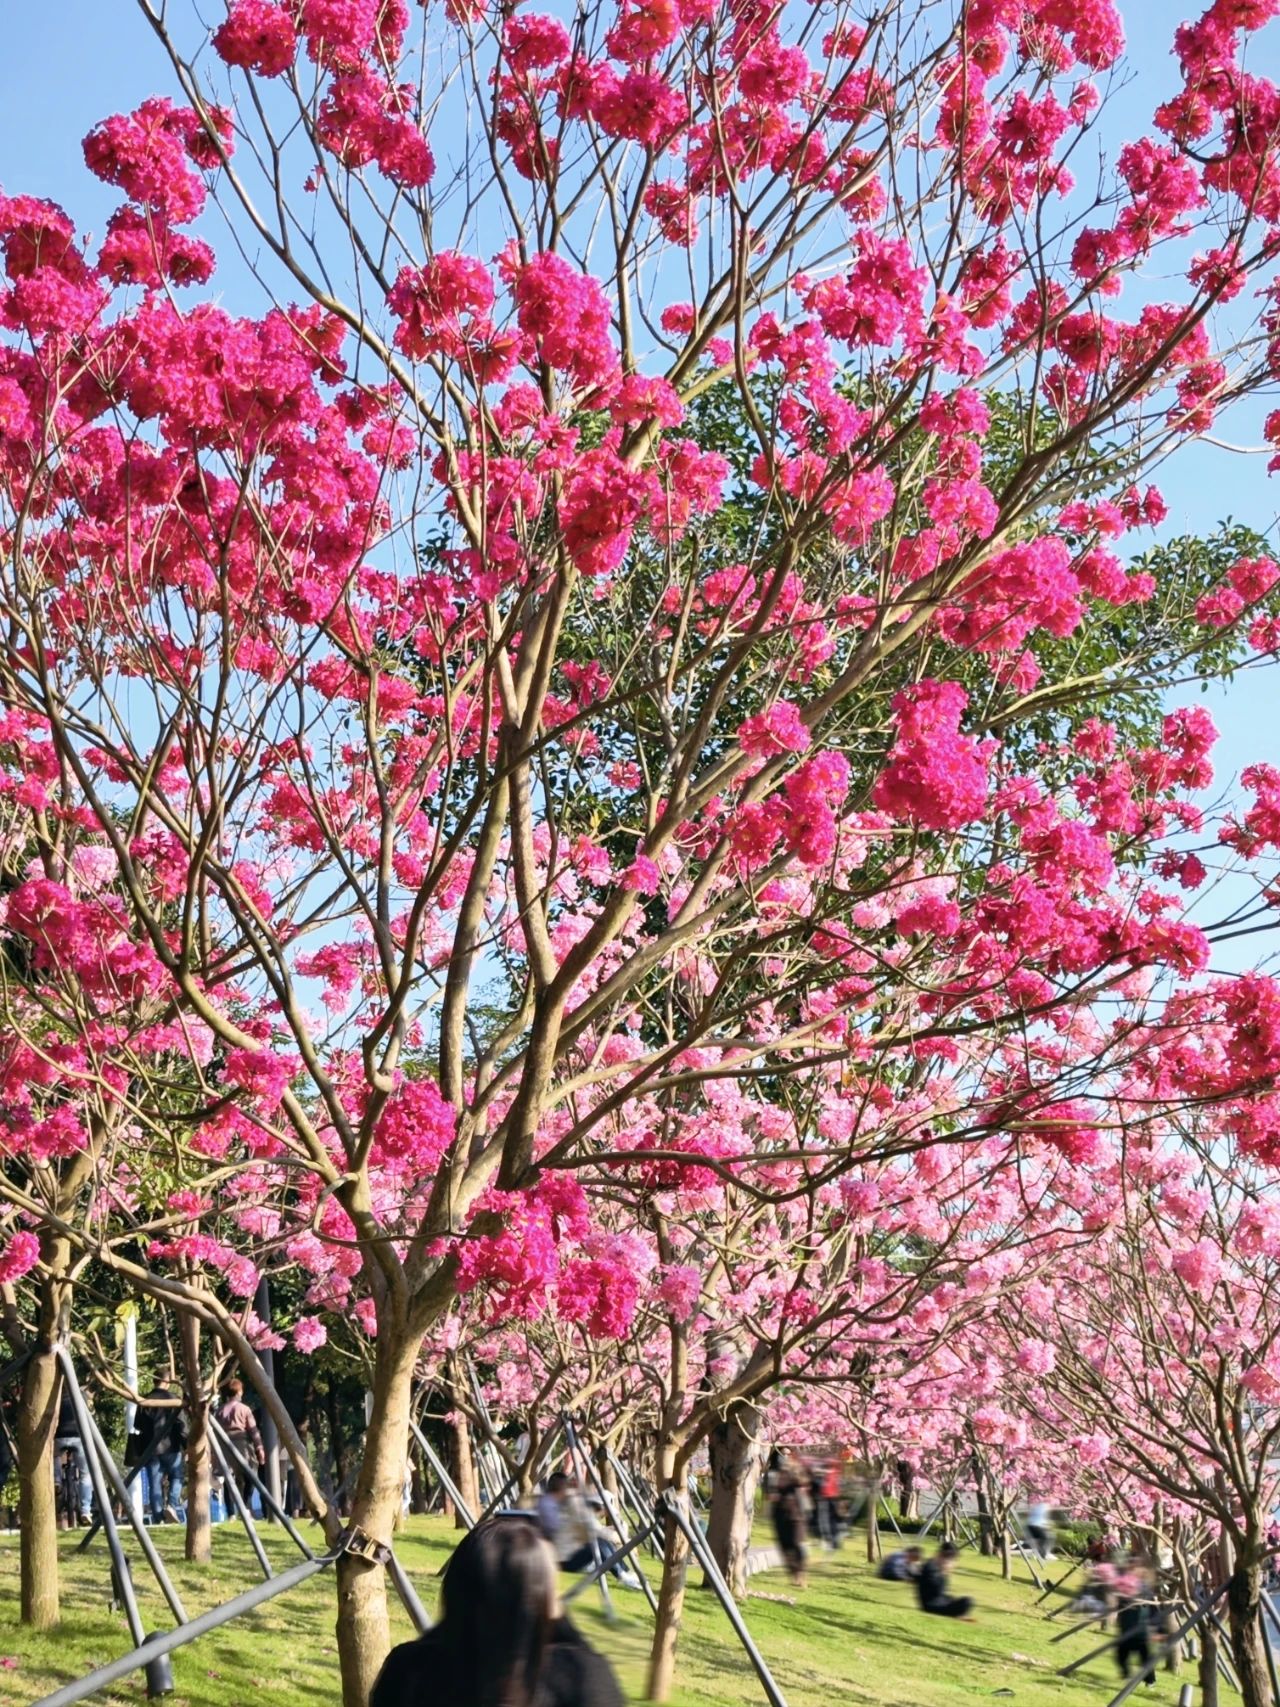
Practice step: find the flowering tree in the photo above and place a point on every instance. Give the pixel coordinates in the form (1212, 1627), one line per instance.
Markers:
(1160, 1343)
(440, 753)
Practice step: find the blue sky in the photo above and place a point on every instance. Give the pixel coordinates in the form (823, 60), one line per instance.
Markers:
(69, 63)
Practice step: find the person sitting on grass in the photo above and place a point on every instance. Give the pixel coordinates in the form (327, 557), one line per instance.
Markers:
(902, 1566)
(931, 1586)
(503, 1639)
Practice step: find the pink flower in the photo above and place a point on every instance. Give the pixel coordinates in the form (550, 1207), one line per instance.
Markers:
(258, 36)
(309, 1334)
(936, 777)
(1199, 1266)
(777, 729)
(642, 875)
(19, 1257)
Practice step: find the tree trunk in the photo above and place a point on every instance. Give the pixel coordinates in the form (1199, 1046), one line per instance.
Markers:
(666, 1633)
(1207, 1664)
(37, 1431)
(199, 1539)
(1006, 1555)
(1244, 1620)
(986, 1535)
(37, 1493)
(873, 1520)
(364, 1632)
(463, 1466)
(735, 1475)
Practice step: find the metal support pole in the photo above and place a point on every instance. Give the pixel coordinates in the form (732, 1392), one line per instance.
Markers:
(639, 1509)
(615, 1557)
(237, 1459)
(232, 1488)
(154, 1647)
(698, 1545)
(1021, 1546)
(442, 1475)
(96, 1476)
(1051, 1588)
(408, 1594)
(1085, 1624)
(139, 1528)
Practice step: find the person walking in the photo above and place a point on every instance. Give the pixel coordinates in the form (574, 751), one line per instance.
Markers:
(503, 1639)
(1040, 1528)
(160, 1441)
(932, 1586)
(67, 1442)
(241, 1428)
(790, 1519)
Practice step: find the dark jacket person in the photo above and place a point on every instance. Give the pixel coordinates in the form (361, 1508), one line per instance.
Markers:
(931, 1586)
(501, 1640)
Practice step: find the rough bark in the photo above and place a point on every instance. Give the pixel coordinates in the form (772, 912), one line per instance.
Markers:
(666, 1635)
(363, 1628)
(462, 1466)
(198, 1546)
(1244, 1621)
(1207, 1665)
(735, 1475)
(37, 1431)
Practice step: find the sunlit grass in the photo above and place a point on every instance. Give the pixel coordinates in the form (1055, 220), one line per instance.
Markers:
(849, 1637)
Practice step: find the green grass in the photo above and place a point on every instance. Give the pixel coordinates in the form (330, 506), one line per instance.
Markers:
(849, 1637)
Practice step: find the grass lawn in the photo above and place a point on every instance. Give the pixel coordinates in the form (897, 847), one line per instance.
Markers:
(849, 1637)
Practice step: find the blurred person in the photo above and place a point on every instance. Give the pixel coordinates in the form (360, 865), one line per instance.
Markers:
(790, 1519)
(932, 1586)
(1040, 1528)
(502, 1639)
(902, 1566)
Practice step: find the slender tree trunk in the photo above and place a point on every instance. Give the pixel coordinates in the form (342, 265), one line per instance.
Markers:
(873, 1520)
(199, 1538)
(1207, 1664)
(986, 1535)
(1244, 1620)
(37, 1431)
(1006, 1555)
(37, 1494)
(675, 1571)
(364, 1632)
(735, 1475)
(463, 1466)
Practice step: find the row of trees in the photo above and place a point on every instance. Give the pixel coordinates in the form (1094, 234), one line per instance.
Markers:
(597, 765)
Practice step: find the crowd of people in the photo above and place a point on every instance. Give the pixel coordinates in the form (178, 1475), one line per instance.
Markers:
(155, 1454)
(803, 1495)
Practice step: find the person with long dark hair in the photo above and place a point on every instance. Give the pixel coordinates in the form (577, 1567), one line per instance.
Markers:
(502, 1639)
